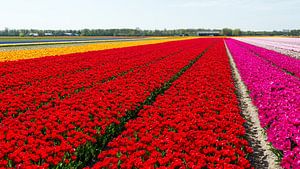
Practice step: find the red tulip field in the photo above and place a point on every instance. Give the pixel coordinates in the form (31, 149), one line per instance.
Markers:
(171, 104)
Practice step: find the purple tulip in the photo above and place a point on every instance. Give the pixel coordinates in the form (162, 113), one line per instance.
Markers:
(287, 63)
(276, 94)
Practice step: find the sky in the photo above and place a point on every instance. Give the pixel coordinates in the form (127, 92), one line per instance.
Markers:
(150, 14)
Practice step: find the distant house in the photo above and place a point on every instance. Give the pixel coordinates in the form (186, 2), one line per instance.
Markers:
(209, 33)
(184, 34)
(33, 34)
(71, 34)
(48, 34)
(286, 32)
(68, 34)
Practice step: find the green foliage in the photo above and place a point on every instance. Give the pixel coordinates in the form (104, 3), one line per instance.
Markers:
(236, 32)
(227, 32)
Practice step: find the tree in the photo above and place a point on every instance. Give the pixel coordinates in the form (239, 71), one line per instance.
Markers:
(21, 34)
(236, 32)
(227, 32)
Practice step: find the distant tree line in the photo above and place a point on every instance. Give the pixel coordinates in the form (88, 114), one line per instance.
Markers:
(102, 32)
(238, 32)
(140, 32)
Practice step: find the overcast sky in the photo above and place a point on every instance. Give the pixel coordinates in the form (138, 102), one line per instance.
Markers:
(150, 14)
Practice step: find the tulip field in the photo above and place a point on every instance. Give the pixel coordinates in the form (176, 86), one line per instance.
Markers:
(156, 103)
(287, 46)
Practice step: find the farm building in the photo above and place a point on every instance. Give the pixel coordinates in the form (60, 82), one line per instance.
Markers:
(209, 33)
(71, 34)
(33, 34)
(48, 34)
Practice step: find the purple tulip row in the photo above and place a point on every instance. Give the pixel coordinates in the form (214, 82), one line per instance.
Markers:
(276, 94)
(287, 63)
(288, 46)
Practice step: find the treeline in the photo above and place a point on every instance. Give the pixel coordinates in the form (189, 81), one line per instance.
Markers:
(238, 32)
(101, 32)
(139, 32)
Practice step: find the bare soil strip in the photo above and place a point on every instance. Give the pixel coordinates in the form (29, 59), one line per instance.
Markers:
(263, 157)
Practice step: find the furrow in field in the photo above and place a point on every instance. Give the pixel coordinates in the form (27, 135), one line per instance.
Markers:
(277, 97)
(65, 130)
(194, 124)
(20, 72)
(36, 94)
(263, 157)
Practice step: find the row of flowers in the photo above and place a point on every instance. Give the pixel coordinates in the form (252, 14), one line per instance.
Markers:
(287, 63)
(277, 97)
(57, 131)
(30, 84)
(37, 53)
(278, 45)
(196, 123)
(290, 44)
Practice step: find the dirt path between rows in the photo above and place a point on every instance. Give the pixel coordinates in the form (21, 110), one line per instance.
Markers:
(263, 157)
